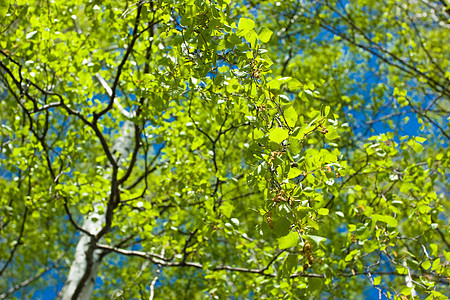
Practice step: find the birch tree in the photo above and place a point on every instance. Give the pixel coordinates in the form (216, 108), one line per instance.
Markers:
(197, 149)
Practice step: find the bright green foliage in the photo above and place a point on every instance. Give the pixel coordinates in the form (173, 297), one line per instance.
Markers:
(271, 157)
(4, 5)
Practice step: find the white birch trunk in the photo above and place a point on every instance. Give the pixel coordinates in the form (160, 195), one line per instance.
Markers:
(80, 281)
(82, 261)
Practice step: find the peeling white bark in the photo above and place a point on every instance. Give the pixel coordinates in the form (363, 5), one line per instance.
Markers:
(81, 261)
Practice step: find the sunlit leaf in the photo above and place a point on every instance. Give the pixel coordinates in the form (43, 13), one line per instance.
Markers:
(288, 241)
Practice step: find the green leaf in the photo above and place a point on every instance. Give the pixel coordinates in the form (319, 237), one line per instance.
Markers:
(426, 265)
(289, 240)
(436, 264)
(227, 209)
(332, 133)
(406, 291)
(377, 280)
(4, 5)
(447, 255)
(265, 34)
(277, 82)
(316, 239)
(281, 226)
(290, 262)
(323, 211)
(278, 135)
(417, 147)
(256, 134)
(291, 116)
(234, 39)
(245, 25)
(391, 221)
(315, 284)
(197, 142)
(420, 139)
(251, 37)
(434, 249)
(293, 172)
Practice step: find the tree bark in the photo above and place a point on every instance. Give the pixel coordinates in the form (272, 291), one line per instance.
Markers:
(80, 281)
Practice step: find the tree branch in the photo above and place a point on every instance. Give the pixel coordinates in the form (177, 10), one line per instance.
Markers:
(18, 242)
(28, 281)
(134, 38)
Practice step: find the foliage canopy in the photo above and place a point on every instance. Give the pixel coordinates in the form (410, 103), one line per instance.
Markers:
(246, 149)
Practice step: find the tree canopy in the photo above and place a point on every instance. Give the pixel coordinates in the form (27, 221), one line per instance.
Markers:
(224, 149)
